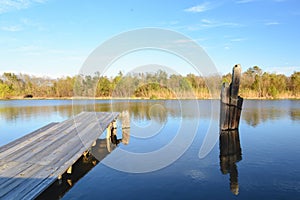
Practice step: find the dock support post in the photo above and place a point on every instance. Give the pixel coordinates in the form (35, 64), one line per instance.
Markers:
(86, 153)
(69, 171)
(125, 118)
(231, 103)
(59, 179)
(108, 130)
(114, 124)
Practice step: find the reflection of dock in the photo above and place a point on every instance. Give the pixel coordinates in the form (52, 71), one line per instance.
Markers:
(32, 163)
(230, 154)
(82, 166)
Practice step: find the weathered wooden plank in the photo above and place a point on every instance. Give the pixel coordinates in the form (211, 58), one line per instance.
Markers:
(31, 143)
(77, 139)
(35, 175)
(26, 137)
(89, 142)
(45, 157)
(30, 164)
(62, 165)
(31, 151)
(86, 136)
(34, 192)
(37, 145)
(11, 170)
(224, 108)
(69, 145)
(13, 185)
(239, 110)
(235, 84)
(13, 147)
(5, 166)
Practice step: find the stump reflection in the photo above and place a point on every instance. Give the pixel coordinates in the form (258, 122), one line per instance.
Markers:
(230, 154)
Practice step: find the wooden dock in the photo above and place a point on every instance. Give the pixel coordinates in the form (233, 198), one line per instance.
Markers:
(32, 163)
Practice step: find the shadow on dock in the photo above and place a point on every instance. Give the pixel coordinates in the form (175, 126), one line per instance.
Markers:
(100, 149)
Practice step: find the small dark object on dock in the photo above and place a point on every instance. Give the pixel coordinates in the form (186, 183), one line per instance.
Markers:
(231, 103)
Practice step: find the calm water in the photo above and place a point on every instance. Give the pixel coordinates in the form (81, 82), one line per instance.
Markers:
(261, 162)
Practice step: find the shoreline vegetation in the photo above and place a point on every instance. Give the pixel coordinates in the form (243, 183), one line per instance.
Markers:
(135, 98)
(255, 84)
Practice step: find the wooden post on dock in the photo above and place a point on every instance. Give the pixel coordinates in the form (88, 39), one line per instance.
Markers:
(125, 127)
(108, 130)
(231, 103)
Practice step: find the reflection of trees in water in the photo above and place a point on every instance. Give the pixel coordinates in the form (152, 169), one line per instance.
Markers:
(160, 110)
(157, 110)
(14, 113)
(142, 110)
(295, 114)
(27, 112)
(256, 112)
(255, 116)
(138, 110)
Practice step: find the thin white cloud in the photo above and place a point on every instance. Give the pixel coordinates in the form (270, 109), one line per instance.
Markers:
(244, 1)
(27, 48)
(40, 1)
(32, 24)
(199, 8)
(272, 23)
(206, 24)
(226, 47)
(213, 23)
(287, 70)
(22, 25)
(237, 39)
(11, 28)
(40, 50)
(10, 5)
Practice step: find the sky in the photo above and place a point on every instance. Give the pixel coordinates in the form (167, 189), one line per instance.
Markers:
(55, 37)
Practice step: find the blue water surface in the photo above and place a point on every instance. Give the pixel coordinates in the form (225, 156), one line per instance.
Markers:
(268, 140)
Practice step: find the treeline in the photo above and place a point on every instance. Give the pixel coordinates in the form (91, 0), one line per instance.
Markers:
(254, 84)
(258, 84)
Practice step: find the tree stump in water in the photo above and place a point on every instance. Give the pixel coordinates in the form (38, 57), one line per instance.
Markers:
(231, 103)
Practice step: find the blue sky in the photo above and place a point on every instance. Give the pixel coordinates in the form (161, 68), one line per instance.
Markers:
(54, 37)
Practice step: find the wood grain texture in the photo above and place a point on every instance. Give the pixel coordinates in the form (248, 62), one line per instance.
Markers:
(30, 164)
(231, 103)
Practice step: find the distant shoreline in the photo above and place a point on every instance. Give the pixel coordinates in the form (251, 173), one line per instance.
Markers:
(255, 84)
(136, 98)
